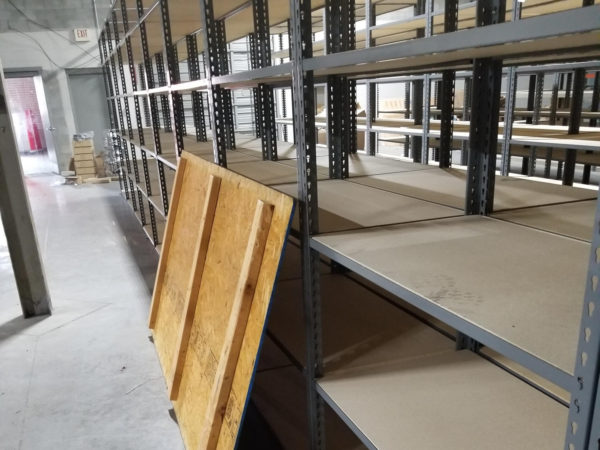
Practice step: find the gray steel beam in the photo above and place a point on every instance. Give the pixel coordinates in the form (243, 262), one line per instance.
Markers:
(18, 222)
(545, 26)
(584, 390)
(341, 105)
(483, 133)
(264, 100)
(574, 123)
(447, 91)
(213, 68)
(303, 96)
(371, 88)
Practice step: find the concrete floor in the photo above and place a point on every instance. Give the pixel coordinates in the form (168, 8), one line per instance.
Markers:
(86, 377)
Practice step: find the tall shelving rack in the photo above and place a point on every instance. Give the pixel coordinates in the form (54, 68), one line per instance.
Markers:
(419, 254)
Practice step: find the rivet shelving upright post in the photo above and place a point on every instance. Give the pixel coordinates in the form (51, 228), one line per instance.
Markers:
(470, 41)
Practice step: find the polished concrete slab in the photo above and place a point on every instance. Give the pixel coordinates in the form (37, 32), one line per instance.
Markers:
(87, 376)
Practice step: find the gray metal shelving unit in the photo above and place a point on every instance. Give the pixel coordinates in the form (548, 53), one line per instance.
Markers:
(511, 282)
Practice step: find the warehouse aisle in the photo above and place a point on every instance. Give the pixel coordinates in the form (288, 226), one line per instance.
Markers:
(87, 377)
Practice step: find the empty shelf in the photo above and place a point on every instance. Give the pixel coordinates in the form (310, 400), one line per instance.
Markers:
(448, 187)
(268, 172)
(359, 328)
(515, 289)
(575, 219)
(361, 165)
(433, 402)
(345, 206)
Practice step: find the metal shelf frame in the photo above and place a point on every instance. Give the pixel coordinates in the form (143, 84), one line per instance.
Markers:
(149, 131)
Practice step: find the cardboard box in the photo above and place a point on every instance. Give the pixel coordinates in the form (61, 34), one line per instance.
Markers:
(84, 164)
(86, 171)
(83, 143)
(83, 157)
(83, 151)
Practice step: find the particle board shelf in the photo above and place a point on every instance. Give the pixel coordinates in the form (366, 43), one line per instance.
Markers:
(363, 165)
(550, 37)
(473, 280)
(279, 396)
(269, 173)
(345, 206)
(447, 187)
(378, 339)
(372, 328)
(433, 401)
(574, 220)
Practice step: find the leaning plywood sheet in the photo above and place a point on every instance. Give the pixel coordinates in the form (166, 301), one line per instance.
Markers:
(221, 251)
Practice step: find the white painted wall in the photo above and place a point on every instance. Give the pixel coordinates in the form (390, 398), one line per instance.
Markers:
(22, 50)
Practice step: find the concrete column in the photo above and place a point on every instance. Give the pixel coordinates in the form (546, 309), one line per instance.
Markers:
(18, 222)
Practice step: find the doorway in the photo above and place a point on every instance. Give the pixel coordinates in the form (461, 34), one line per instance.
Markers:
(88, 99)
(29, 113)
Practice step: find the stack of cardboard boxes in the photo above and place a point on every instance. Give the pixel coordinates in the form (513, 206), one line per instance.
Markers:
(83, 155)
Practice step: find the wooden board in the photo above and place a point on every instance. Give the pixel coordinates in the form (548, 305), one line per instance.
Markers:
(212, 293)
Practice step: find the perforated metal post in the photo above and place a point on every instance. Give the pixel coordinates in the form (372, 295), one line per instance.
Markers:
(341, 92)
(407, 86)
(574, 123)
(535, 119)
(197, 100)
(417, 113)
(154, 116)
(447, 90)
(466, 115)
(213, 68)
(426, 88)
(303, 88)
(371, 106)
(483, 133)
(264, 101)
(583, 429)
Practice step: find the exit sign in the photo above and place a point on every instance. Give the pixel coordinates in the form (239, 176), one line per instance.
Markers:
(81, 34)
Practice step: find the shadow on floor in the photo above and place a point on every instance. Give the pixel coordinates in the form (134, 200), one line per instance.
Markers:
(139, 245)
(18, 325)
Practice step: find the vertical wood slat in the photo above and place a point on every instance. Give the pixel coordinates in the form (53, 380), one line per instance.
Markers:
(164, 254)
(191, 295)
(236, 326)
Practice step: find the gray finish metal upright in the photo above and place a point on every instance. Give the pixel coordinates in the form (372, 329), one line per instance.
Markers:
(583, 429)
(341, 92)
(264, 100)
(426, 88)
(447, 88)
(17, 220)
(197, 100)
(371, 88)
(303, 88)
(509, 107)
(215, 92)
(483, 134)
(574, 122)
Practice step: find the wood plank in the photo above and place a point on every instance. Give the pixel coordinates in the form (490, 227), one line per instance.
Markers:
(162, 263)
(191, 298)
(211, 331)
(236, 325)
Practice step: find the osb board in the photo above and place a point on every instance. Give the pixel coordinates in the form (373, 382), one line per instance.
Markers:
(215, 296)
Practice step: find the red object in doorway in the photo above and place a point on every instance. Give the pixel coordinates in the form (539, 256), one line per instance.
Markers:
(30, 135)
